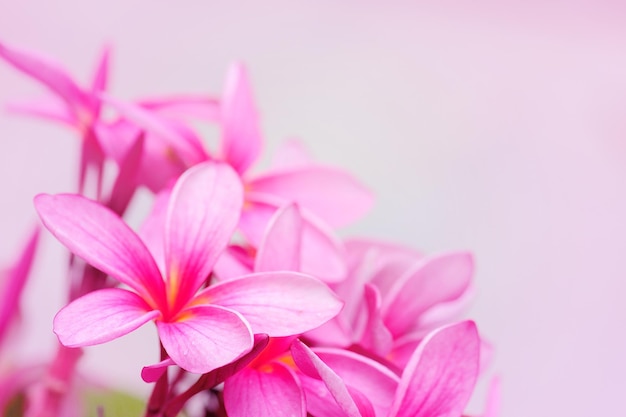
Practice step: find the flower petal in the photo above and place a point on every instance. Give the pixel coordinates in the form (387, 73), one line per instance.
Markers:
(12, 284)
(45, 108)
(205, 338)
(441, 374)
(184, 106)
(277, 303)
(290, 153)
(273, 391)
(280, 248)
(376, 337)
(330, 193)
(99, 236)
(100, 80)
(152, 373)
(50, 74)
(241, 136)
(202, 215)
(101, 316)
(311, 365)
(364, 375)
(434, 280)
(126, 181)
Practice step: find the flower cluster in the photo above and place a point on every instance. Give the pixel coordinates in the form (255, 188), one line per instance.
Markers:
(261, 309)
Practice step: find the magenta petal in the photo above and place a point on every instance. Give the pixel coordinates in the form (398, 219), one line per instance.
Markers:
(205, 338)
(440, 376)
(202, 215)
(314, 367)
(126, 182)
(152, 373)
(280, 248)
(99, 236)
(434, 280)
(330, 193)
(273, 391)
(241, 136)
(12, 283)
(101, 316)
(276, 303)
(45, 71)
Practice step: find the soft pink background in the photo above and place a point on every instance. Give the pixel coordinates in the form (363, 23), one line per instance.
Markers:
(499, 129)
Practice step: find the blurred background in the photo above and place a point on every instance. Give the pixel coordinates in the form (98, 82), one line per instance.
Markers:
(495, 128)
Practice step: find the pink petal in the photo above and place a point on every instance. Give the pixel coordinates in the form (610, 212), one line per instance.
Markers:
(101, 316)
(280, 248)
(152, 231)
(234, 262)
(376, 337)
(126, 182)
(441, 374)
(320, 242)
(152, 373)
(12, 284)
(45, 109)
(241, 136)
(492, 408)
(50, 74)
(202, 215)
(369, 377)
(205, 338)
(330, 193)
(273, 391)
(184, 106)
(311, 365)
(276, 303)
(100, 79)
(435, 280)
(183, 142)
(99, 236)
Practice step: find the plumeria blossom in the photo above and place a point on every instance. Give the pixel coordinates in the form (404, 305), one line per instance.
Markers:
(199, 330)
(437, 381)
(75, 106)
(323, 192)
(394, 296)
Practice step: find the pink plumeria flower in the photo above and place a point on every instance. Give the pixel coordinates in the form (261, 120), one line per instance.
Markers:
(327, 193)
(200, 331)
(76, 106)
(393, 297)
(437, 382)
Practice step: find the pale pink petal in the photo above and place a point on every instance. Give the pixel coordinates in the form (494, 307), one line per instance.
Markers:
(184, 106)
(271, 392)
(290, 153)
(311, 365)
(329, 193)
(440, 377)
(91, 165)
(101, 316)
(202, 215)
(255, 216)
(280, 248)
(276, 303)
(99, 236)
(436, 279)
(50, 74)
(100, 79)
(152, 373)
(320, 242)
(376, 337)
(241, 135)
(369, 377)
(205, 338)
(12, 284)
(44, 108)
(183, 142)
